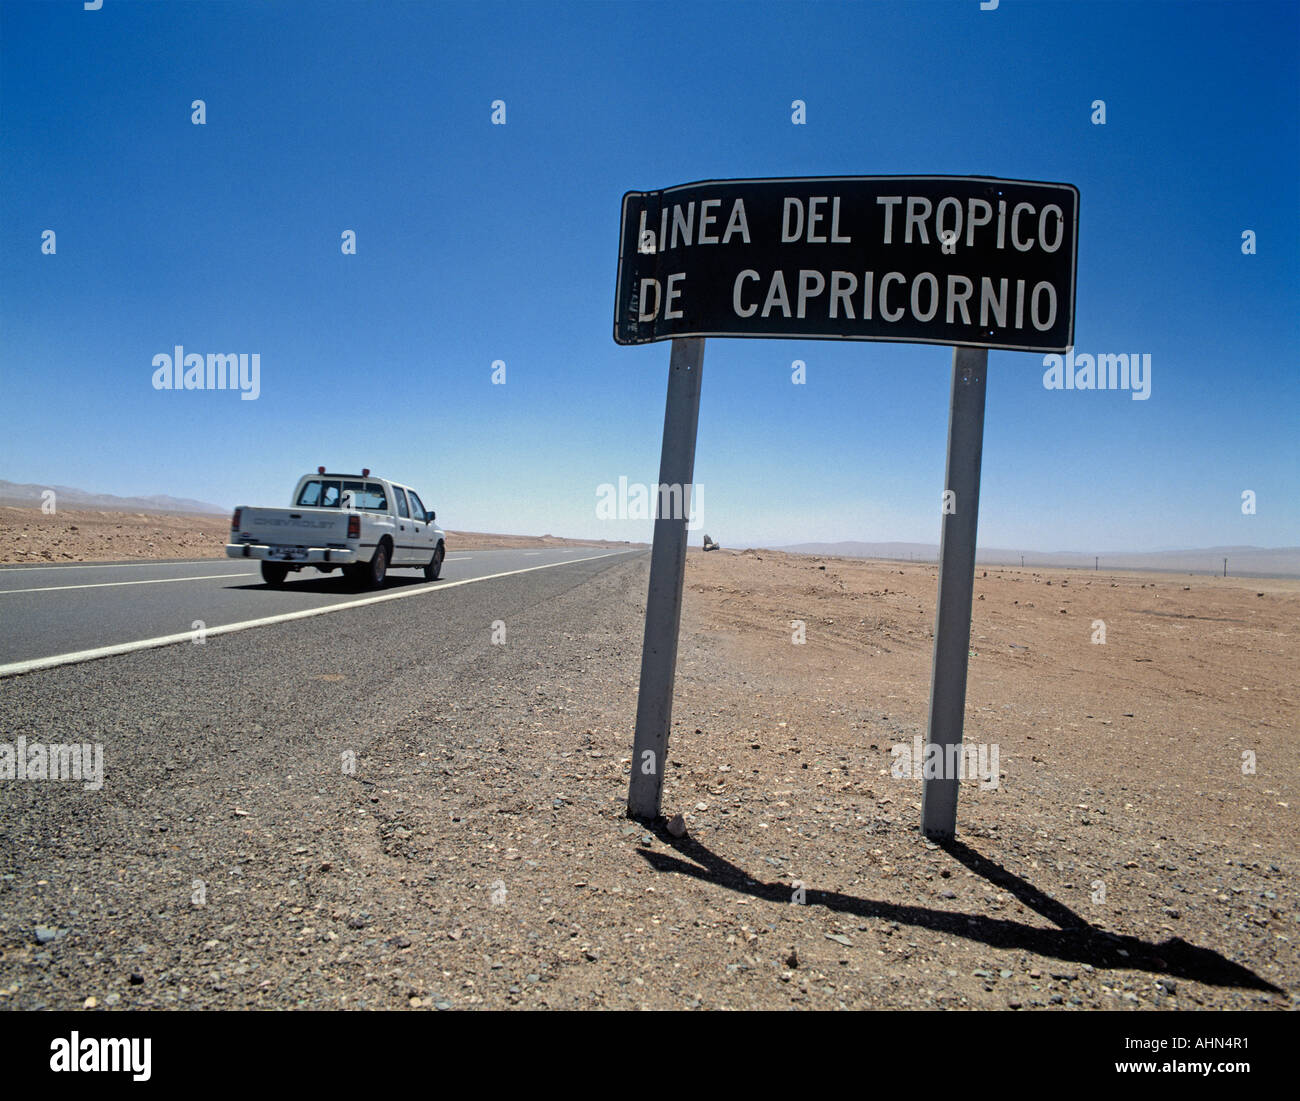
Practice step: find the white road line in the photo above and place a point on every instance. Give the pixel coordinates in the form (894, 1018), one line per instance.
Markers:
(17, 667)
(114, 584)
(113, 565)
(463, 558)
(5, 568)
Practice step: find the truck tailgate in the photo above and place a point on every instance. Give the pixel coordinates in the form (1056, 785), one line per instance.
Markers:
(293, 527)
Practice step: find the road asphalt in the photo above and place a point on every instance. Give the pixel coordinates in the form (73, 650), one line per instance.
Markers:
(57, 614)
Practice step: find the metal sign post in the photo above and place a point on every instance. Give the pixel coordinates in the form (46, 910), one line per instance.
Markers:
(663, 607)
(956, 589)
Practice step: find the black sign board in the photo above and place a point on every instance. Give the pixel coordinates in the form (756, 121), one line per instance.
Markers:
(961, 260)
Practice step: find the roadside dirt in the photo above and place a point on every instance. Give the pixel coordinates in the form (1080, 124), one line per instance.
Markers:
(92, 535)
(1122, 810)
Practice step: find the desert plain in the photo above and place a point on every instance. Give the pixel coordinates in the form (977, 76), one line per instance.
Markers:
(1137, 850)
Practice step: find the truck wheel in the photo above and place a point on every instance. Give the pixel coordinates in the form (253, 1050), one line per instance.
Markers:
(274, 574)
(378, 566)
(434, 569)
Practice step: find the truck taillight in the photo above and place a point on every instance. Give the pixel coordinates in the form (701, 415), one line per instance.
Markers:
(354, 526)
(234, 520)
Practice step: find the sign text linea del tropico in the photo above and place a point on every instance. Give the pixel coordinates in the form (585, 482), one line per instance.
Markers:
(962, 260)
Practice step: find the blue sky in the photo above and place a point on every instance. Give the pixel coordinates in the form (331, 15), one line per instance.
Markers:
(478, 243)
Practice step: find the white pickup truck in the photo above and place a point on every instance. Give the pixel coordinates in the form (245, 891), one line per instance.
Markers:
(358, 523)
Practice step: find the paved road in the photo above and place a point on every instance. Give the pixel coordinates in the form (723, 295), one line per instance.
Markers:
(52, 614)
(344, 784)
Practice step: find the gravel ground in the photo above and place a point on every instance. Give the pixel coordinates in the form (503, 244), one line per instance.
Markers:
(479, 856)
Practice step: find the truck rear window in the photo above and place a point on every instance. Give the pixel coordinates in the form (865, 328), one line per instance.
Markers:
(328, 493)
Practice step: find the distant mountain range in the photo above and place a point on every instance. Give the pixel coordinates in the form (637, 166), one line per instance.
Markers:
(30, 496)
(1242, 561)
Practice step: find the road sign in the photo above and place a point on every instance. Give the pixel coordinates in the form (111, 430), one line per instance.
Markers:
(970, 261)
(960, 260)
